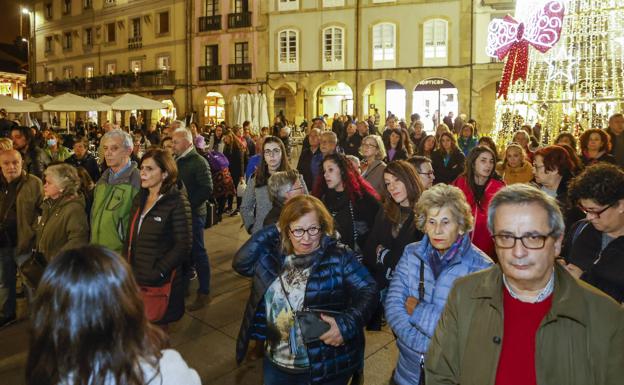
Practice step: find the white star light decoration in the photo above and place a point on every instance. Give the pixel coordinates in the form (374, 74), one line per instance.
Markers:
(562, 66)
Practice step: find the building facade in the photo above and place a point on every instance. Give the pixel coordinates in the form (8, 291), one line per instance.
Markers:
(109, 47)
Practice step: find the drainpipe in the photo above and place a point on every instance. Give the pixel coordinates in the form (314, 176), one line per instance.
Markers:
(187, 53)
(356, 94)
(471, 56)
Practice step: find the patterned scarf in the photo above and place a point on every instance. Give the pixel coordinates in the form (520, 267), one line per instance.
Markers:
(439, 262)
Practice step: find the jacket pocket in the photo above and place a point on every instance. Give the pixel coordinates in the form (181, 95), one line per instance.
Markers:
(116, 199)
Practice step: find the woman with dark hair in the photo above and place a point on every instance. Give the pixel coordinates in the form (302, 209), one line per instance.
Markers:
(427, 146)
(448, 160)
(489, 143)
(349, 198)
(566, 138)
(596, 147)
(352, 140)
(89, 327)
(407, 144)
(298, 266)
(256, 202)
(235, 154)
(395, 148)
(480, 182)
(578, 163)
(159, 238)
(393, 228)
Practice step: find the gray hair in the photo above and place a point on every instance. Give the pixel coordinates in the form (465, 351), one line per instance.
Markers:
(6, 144)
(66, 178)
(381, 148)
(185, 133)
(331, 134)
(523, 194)
(280, 183)
(124, 137)
(178, 124)
(443, 195)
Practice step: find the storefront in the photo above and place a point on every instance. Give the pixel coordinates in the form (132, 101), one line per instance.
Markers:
(433, 99)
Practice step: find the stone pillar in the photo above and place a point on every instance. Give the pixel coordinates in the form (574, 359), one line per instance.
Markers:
(409, 101)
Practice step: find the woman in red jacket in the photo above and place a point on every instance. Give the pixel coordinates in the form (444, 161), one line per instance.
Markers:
(479, 182)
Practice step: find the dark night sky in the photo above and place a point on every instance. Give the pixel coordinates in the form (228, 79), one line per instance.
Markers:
(10, 21)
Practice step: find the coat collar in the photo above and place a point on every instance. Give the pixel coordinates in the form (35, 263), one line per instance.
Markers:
(568, 299)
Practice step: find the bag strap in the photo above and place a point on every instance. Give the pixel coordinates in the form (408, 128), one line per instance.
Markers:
(132, 224)
(579, 229)
(292, 309)
(421, 282)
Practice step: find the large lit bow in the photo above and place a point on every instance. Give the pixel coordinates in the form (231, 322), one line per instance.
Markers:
(508, 37)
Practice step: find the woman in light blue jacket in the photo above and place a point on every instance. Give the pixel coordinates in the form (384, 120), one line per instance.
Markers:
(426, 272)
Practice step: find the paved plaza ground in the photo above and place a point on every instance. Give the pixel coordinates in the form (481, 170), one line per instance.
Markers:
(207, 338)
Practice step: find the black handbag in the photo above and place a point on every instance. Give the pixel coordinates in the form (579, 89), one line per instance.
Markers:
(32, 269)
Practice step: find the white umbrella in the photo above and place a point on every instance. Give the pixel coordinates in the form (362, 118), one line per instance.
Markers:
(14, 105)
(71, 103)
(255, 118)
(41, 99)
(264, 113)
(235, 108)
(105, 99)
(128, 102)
(249, 111)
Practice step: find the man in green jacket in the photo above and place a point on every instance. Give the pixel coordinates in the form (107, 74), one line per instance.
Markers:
(526, 321)
(114, 192)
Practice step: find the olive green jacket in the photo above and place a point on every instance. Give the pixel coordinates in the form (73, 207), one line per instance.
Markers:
(29, 197)
(579, 342)
(63, 225)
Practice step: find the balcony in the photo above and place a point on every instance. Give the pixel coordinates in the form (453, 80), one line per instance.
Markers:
(135, 42)
(239, 20)
(239, 71)
(210, 23)
(210, 73)
(123, 82)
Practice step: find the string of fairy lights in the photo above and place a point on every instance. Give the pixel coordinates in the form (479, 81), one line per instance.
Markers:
(575, 85)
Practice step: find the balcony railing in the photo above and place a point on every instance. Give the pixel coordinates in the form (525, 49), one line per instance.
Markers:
(209, 73)
(239, 71)
(239, 20)
(210, 23)
(124, 81)
(135, 42)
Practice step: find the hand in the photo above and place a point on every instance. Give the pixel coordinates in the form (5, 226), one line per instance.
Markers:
(410, 304)
(574, 270)
(331, 337)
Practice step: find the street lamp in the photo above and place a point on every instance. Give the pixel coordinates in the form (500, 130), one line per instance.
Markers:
(25, 11)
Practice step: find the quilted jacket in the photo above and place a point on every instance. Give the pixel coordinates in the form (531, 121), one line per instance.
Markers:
(337, 282)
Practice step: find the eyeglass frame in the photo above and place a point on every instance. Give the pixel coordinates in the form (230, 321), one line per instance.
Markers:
(304, 231)
(596, 213)
(430, 173)
(369, 145)
(543, 236)
(273, 152)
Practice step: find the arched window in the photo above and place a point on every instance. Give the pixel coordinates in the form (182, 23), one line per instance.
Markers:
(384, 45)
(288, 45)
(333, 48)
(435, 42)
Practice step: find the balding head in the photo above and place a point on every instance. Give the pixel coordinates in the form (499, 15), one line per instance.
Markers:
(182, 139)
(11, 164)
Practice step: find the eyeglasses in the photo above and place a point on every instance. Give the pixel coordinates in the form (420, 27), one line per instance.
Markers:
(596, 213)
(312, 231)
(273, 152)
(369, 145)
(430, 173)
(530, 241)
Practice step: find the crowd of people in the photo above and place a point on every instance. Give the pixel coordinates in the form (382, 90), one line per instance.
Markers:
(490, 264)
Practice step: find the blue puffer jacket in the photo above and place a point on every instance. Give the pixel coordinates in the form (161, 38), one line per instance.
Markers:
(337, 282)
(414, 331)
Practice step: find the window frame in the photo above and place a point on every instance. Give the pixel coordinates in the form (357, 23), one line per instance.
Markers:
(214, 49)
(333, 3)
(88, 31)
(108, 32)
(131, 30)
(68, 43)
(159, 31)
(48, 10)
(66, 7)
(48, 45)
(214, 5)
(334, 63)
(384, 62)
(287, 5)
(245, 52)
(161, 56)
(288, 65)
(435, 59)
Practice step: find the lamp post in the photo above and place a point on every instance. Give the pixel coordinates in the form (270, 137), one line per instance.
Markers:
(29, 41)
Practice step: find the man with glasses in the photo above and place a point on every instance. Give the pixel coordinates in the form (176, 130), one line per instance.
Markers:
(424, 169)
(526, 321)
(594, 247)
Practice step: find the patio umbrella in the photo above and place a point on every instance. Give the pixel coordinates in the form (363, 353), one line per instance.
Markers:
(255, 113)
(14, 105)
(40, 99)
(105, 99)
(264, 113)
(72, 103)
(129, 102)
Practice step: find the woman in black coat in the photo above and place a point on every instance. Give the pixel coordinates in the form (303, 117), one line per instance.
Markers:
(448, 160)
(160, 233)
(235, 153)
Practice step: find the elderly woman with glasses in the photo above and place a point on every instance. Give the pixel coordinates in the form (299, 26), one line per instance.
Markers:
(593, 248)
(373, 152)
(298, 265)
(426, 272)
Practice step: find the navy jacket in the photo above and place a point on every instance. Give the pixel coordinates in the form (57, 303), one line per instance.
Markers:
(337, 282)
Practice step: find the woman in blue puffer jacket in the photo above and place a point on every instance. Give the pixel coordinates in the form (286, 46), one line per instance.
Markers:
(445, 254)
(298, 265)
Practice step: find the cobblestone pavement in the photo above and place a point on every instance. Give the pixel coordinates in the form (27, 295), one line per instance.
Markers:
(207, 338)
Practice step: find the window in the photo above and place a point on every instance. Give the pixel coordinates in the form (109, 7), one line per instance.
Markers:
(88, 37)
(49, 44)
(135, 66)
(212, 55)
(288, 5)
(136, 27)
(333, 3)
(211, 7)
(87, 4)
(67, 41)
(48, 10)
(435, 42)
(163, 23)
(241, 53)
(108, 3)
(163, 63)
(333, 48)
(67, 7)
(384, 52)
(49, 74)
(68, 72)
(383, 1)
(111, 68)
(110, 33)
(241, 6)
(88, 71)
(288, 50)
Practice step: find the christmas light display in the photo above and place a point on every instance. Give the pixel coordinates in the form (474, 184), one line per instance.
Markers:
(575, 85)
